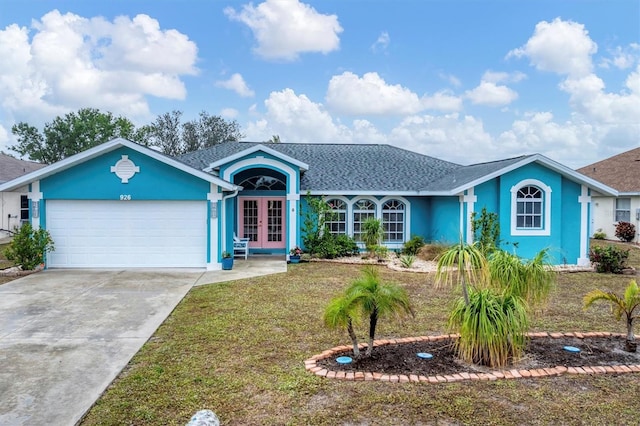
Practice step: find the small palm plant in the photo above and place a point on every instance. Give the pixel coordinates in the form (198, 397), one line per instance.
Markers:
(492, 327)
(372, 234)
(530, 280)
(468, 261)
(378, 299)
(628, 305)
(342, 311)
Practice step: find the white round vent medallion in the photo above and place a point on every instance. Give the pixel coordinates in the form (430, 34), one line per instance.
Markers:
(125, 169)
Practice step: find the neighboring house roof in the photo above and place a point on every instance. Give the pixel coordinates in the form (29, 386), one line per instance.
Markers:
(11, 168)
(621, 171)
(107, 147)
(378, 169)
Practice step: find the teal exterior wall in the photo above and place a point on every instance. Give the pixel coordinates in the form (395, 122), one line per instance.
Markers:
(570, 229)
(528, 246)
(93, 180)
(445, 220)
(420, 218)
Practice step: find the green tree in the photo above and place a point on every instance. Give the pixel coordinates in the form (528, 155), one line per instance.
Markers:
(175, 137)
(71, 134)
(627, 305)
(377, 299)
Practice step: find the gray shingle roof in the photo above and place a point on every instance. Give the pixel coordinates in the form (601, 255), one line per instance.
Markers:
(345, 167)
(11, 168)
(468, 174)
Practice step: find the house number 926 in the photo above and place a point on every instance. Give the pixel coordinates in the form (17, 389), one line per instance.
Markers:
(125, 197)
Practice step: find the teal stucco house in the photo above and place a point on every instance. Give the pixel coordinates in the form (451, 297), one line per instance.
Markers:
(120, 204)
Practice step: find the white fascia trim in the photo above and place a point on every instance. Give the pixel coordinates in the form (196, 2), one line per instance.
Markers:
(553, 165)
(253, 149)
(96, 151)
(546, 230)
(361, 193)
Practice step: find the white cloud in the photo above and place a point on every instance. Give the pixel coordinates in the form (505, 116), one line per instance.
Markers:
(349, 94)
(231, 113)
(442, 101)
(237, 84)
(381, 43)
(563, 47)
(451, 137)
(503, 77)
(622, 57)
(286, 28)
(72, 62)
(451, 79)
(297, 118)
(491, 94)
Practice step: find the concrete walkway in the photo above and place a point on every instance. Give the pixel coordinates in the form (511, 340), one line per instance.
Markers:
(65, 335)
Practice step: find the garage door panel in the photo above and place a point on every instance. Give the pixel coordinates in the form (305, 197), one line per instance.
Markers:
(127, 234)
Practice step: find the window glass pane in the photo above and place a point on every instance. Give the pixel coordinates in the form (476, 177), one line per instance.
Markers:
(336, 219)
(393, 220)
(529, 207)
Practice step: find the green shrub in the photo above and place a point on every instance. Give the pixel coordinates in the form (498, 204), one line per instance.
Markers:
(381, 252)
(625, 231)
(330, 246)
(413, 246)
(486, 229)
(29, 247)
(608, 259)
(406, 260)
(599, 235)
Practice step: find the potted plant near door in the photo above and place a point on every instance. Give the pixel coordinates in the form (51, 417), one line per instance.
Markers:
(227, 261)
(294, 254)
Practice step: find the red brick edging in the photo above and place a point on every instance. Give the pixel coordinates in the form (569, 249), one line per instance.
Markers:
(311, 364)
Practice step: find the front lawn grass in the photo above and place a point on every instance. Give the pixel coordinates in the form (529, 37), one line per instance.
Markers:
(238, 348)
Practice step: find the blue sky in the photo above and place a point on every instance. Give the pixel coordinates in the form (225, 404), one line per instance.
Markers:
(465, 81)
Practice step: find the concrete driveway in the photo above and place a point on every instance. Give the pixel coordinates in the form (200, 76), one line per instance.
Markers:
(66, 334)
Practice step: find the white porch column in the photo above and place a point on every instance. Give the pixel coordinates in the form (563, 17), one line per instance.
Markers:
(35, 196)
(585, 201)
(470, 199)
(216, 211)
(293, 202)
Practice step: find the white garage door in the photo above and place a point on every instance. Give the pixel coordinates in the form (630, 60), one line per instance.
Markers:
(95, 234)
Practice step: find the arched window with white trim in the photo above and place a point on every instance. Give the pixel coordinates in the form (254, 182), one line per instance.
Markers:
(362, 210)
(393, 221)
(336, 217)
(531, 208)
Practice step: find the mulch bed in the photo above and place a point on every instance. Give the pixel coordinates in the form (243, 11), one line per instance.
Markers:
(541, 352)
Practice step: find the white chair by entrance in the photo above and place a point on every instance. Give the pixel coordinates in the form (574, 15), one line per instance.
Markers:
(240, 246)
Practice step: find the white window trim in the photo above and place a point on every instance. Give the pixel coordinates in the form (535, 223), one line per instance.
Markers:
(351, 211)
(347, 210)
(546, 224)
(407, 221)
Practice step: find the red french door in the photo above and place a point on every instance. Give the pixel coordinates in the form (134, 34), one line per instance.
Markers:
(262, 221)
